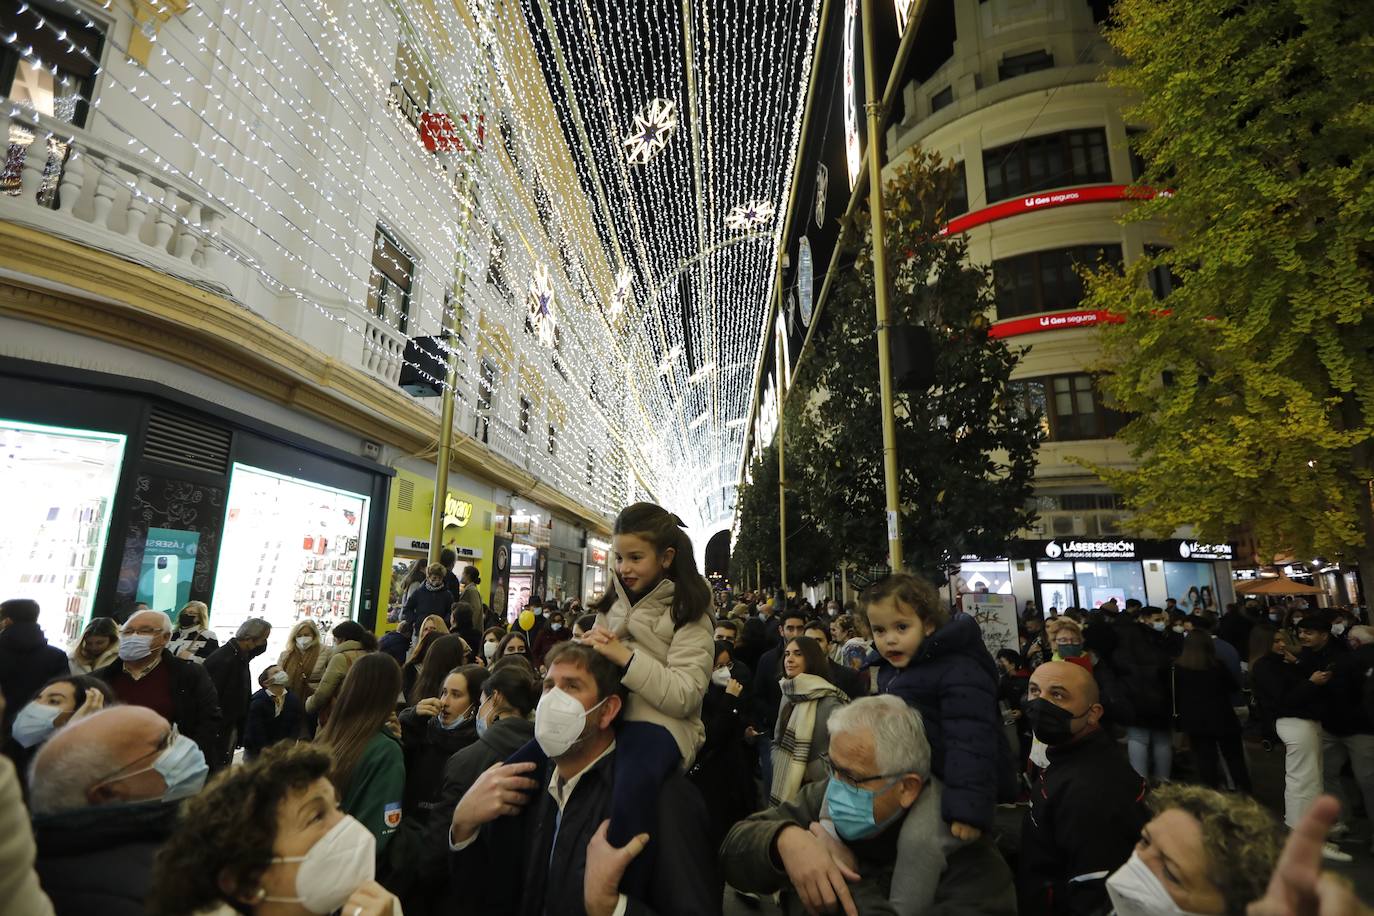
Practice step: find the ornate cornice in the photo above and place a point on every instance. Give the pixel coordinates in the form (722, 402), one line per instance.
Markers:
(141, 309)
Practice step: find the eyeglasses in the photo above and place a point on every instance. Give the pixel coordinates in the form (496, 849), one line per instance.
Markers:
(162, 745)
(854, 779)
(142, 631)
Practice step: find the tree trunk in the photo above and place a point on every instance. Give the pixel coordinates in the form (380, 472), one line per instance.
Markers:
(1365, 555)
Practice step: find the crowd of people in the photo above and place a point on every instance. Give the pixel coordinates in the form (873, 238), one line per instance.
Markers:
(651, 755)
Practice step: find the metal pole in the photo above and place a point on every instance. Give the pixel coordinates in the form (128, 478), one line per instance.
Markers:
(780, 362)
(844, 584)
(873, 106)
(442, 459)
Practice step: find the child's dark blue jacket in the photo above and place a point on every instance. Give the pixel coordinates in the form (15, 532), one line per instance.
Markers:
(952, 682)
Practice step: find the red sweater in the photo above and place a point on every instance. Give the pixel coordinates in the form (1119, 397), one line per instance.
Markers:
(153, 691)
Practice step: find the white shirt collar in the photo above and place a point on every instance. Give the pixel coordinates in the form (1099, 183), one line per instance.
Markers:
(562, 789)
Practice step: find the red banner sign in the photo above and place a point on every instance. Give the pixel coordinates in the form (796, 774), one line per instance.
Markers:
(1055, 321)
(1063, 197)
(440, 135)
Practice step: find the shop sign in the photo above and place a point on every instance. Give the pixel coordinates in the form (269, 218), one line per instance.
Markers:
(405, 543)
(1091, 550)
(1056, 321)
(597, 552)
(457, 512)
(467, 553)
(1196, 550)
(1094, 194)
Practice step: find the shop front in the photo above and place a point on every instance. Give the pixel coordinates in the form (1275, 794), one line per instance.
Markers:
(1089, 572)
(523, 532)
(123, 492)
(468, 522)
(595, 570)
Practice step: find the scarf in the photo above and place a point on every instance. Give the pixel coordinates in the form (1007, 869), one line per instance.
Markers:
(803, 694)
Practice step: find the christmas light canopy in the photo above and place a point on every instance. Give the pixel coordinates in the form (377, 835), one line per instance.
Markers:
(541, 306)
(750, 216)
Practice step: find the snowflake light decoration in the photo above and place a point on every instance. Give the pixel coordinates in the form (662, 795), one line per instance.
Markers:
(541, 306)
(654, 127)
(751, 215)
(621, 296)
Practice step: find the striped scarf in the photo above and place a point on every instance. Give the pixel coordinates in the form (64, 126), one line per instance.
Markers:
(792, 751)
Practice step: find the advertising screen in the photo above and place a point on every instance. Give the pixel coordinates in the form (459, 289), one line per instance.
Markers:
(291, 551)
(57, 486)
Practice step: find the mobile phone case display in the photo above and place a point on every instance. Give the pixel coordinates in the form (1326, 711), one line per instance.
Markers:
(57, 486)
(290, 552)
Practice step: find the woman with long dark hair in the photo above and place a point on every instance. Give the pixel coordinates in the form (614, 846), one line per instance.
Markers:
(1202, 694)
(368, 767)
(444, 654)
(801, 738)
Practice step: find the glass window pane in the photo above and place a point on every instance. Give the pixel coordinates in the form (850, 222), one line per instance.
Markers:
(1054, 569)
(1181, 578)
(1099, 582)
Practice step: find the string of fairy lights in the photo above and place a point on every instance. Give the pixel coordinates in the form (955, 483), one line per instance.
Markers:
(641, 267)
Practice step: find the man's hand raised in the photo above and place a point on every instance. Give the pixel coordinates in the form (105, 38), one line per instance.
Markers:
(499, 792)
(605, 867)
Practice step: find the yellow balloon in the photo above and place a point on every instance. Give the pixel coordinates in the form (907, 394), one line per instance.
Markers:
(527, 620)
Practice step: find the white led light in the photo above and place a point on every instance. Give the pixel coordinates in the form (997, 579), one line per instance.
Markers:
(652, 131)
(750, 216)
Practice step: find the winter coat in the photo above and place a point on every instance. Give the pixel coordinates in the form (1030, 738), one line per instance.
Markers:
(373, 795)
(195, 706)
(99, 859)
(396, 644)
(335, 670)
(1234, 628)
(1345, 712)
(27, 662)
(1085, 818)
(952, 683)
(469, 615)
(767, 692)
(1143, 658)
(969, 879)
(671, 666)
(424, 602)
(19, 886)
(193, 645)
(228, 670)
(533, 863)
(724, 769)
(80, 667)
(853, 683)
(1279, 691)
(1204, 701)
(264, 726)
(503, 737)
(428, 746)
(547, 639)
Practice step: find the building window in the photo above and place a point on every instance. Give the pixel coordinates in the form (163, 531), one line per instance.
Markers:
(1070, 407)
(498, 272)
(524, 415)
(412, 90)
(391, 280)
(591, 467)
(1161, 278)
(486, 392)
(942, 99)
(553, 441)
(958, 197)
(51, 65)
(1044, 162)
(1013, 65)
(1046, 281)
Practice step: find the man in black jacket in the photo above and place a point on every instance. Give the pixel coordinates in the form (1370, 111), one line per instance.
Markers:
(1088, 807)
(523, 831)
(27, 662)
(148, 675)
(228, 670)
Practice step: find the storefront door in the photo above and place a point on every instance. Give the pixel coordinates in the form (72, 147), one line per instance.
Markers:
(1058, 595)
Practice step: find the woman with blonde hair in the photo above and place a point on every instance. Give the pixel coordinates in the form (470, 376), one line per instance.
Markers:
(1066, 638)
(193, 639)
(97, 647)
(300, 658)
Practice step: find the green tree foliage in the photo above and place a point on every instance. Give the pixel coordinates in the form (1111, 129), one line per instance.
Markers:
(965, 450)
(810, 559)
(1251, 381)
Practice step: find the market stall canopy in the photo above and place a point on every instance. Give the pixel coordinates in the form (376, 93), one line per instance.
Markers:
(1279, 585)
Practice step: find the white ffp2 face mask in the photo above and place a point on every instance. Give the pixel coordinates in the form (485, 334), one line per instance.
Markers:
(1135, 891)
(559, 721)
(339, 863)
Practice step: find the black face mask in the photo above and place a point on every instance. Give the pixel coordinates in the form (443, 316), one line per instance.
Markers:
(256, 651)
(1050, 723)
(186, 621)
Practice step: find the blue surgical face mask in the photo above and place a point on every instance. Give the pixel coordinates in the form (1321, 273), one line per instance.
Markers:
(182, 766)
(851, 809)
(482, 724)
(135, 647)
(35, 723)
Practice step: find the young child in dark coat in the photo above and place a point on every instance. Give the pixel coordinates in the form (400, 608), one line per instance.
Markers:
(938, 664)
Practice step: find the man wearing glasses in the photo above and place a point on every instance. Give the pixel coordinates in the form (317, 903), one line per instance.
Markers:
(147, 674)
(870, 839)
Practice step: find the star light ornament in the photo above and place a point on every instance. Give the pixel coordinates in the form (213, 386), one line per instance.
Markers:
(541, 306)
(654, 127)
(621, 296)
(749, 216)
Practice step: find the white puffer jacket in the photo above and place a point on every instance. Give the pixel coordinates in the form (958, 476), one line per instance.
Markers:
(670, 670)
